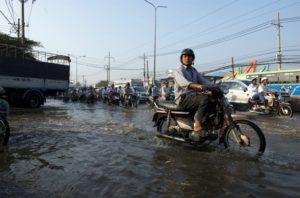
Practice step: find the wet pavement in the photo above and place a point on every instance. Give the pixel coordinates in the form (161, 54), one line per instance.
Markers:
(80, 150)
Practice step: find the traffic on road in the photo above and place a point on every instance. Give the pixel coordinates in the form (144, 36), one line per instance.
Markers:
(89, 150)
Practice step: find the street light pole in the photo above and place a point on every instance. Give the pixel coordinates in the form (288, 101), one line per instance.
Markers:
(76, 80)
(154, 55)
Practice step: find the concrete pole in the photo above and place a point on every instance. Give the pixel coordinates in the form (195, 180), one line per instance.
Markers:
(232, 65)
(23, 21)
(279, 41)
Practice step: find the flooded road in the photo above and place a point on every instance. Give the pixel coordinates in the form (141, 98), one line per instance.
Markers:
(80, 150)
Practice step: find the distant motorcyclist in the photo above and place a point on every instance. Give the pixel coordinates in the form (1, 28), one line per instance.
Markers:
(253, 91)
(155, 93)
(265, 93)
(127, 90)
(105, 92)
(165, 91)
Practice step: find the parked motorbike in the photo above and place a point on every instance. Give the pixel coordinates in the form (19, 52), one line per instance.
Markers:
(176, 124)
(4, 126)
(279, 107)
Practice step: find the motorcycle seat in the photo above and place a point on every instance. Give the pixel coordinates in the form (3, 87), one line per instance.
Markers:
(170, 105)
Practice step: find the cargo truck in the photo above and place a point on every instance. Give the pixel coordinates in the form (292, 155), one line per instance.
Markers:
(28, 77)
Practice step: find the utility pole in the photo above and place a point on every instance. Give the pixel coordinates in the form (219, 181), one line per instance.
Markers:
(148, 74)
(108, 67)
(23, 21)
(18, 28)
(83, 80)
(144, 68)
(232, 66)
(278, 55)
(154, 55)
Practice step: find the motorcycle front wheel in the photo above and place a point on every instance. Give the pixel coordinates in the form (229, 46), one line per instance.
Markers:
(285, 110)
(246, 137)
(4, 131)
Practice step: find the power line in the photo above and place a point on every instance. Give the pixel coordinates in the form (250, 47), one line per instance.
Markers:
(10, 10)
(196, 20)
(201, 18)
(30, 11)
(219, 26)
(5, 17)
(242, 33)
(129, 69)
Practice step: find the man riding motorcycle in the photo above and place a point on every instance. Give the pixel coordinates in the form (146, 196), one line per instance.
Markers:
(165, 91)
(127, 91)
(191, 92)
(265, 93)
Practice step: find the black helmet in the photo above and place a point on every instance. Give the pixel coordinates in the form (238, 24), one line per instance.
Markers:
(187, 51)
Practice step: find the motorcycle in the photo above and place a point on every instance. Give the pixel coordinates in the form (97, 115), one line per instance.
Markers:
(4, 126)
(114, 99)
(176, 124)
(131, 100)
(91, 97)
(74, 96)
(279, 107)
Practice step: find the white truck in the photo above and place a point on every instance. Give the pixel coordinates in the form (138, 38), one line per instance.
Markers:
(28, 78)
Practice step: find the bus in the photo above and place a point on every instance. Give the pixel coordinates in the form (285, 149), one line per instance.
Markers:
(280, 79)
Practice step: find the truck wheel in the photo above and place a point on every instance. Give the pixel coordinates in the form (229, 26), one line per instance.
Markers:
(33, 100)
(4, 131)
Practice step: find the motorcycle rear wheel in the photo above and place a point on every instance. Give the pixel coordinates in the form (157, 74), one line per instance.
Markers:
(285, 111)
(4, 131)
(252, 139)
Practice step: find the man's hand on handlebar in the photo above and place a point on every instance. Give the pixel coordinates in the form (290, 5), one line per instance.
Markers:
(201, 88)
(215, 89)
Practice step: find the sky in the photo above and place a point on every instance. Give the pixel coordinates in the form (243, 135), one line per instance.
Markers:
(216, 30)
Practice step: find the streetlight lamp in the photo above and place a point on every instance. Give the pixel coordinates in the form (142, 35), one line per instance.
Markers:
(154, 56)
(77, 66)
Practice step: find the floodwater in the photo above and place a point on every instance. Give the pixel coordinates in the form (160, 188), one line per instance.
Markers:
(80, 150)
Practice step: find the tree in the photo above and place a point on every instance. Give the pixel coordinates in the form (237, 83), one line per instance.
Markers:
(102, 83)
(19, 50)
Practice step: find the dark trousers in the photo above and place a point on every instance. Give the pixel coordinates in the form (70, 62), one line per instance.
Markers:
(200, 104)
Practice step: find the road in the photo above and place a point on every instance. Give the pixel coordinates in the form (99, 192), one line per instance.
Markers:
(80, 150)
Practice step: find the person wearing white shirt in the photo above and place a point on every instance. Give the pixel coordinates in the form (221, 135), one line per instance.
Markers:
(165, 91)
(253, 91)
(265, 92)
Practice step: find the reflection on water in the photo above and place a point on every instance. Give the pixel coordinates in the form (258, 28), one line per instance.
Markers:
(76, 150)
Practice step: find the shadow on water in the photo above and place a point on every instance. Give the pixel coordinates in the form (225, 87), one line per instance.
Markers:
(79, 150)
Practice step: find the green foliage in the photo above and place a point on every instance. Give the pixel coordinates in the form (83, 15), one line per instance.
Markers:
(102, 83)
(22, 50)
(29, 44)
